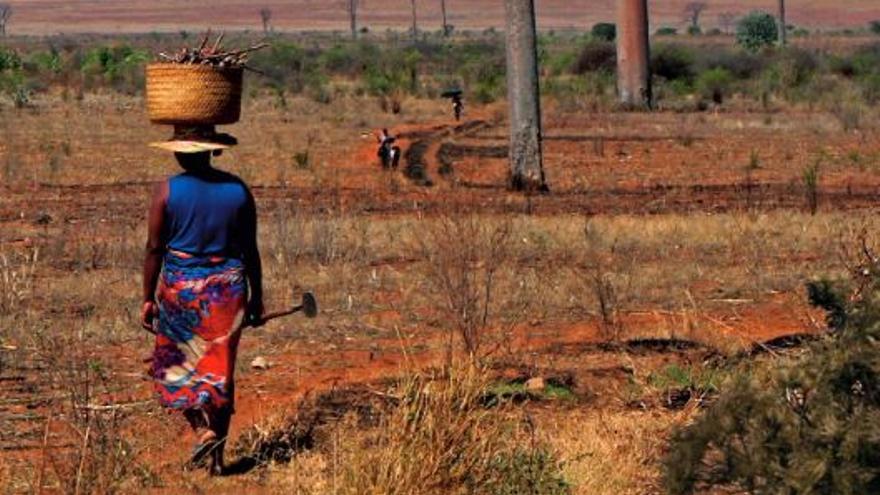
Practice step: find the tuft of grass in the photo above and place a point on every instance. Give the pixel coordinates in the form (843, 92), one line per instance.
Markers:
(810, 177)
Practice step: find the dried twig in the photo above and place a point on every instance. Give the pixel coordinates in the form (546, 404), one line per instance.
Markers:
(214, 56)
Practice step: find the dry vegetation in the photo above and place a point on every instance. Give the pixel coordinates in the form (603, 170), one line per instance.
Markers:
(671, 242)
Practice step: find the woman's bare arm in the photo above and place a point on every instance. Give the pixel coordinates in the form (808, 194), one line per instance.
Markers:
(155, 251)
(252, 262)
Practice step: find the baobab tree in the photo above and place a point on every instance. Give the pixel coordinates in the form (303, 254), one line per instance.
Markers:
(633, 54)
(266, 17)
(352, 8)
(5, 14)
(692, 13)
(783, 27)
(523, 96)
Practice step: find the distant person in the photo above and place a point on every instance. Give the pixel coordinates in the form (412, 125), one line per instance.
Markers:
(457, 106)
(389, 154)
(202, 279)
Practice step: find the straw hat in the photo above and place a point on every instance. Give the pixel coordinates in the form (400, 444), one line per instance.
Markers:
(196, 139)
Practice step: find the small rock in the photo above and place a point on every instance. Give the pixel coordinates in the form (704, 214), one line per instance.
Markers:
(260, 363)
(536, 384)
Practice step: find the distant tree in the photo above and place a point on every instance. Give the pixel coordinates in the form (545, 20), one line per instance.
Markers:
(875, 27)
(604, 31)
(266, 17)
(757, 30)
(352, 8)
(447, 28)
(692, 13)
(415, 21)
(727, 22)
(783, 27)
(5, 14)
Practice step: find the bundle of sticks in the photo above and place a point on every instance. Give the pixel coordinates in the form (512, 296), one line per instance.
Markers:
(214, 55)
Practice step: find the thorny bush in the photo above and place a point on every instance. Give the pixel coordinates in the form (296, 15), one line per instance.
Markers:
(803, 424)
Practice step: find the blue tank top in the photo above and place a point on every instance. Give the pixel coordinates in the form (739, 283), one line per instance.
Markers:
(205, 213)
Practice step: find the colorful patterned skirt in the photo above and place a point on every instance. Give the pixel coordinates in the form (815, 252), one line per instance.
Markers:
(201, 307)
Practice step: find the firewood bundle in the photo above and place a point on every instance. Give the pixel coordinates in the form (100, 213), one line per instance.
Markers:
(214, 55)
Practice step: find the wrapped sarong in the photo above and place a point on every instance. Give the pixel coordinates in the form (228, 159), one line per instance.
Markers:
(201, 306)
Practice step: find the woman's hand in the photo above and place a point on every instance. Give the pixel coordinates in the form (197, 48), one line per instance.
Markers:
(255, 312)
(149, 311)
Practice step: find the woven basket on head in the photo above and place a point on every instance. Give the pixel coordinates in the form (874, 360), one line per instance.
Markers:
(193, 94)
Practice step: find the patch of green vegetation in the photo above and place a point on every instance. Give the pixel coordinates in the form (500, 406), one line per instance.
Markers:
(677, 377)
(517, 391)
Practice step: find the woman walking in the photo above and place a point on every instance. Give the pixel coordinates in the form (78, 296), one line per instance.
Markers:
(202, 282)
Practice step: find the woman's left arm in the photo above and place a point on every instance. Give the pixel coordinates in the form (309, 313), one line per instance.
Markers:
(252, 263)
(155, 251)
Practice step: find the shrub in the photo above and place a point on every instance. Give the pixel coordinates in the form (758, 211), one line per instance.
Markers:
(740, 64)
(673, 62)
(796, 67)
(757, 30)
(714, 84)
(120, 67)
(810, 177)
(874, 27)
(695, 30)
(604, 31)
(9, 60)
(866, 59)
(803, 424)
(667, 31)
(596, 56)
(871, 88)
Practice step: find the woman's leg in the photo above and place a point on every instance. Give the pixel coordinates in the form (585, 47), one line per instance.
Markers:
(200, 422)
(220, 426)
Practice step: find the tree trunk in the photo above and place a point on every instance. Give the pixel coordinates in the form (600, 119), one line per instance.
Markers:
(783, 29)
(526, 158)
(633, 54)
(445, 19)
(353, 15)
(415, 21)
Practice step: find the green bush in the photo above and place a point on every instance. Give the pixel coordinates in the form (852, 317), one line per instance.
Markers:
(604, 31)
(119, 66)
(526, 471)
(874, 27)
(757, 30)
(803, 424)
(673, 62)
(714, 84)
(741, 64)
(870, 86)
(667, 31)
(594, 57)
(284, 66)
(9, 60)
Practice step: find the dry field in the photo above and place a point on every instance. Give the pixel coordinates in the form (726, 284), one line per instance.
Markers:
(668, 240)
(48, 16)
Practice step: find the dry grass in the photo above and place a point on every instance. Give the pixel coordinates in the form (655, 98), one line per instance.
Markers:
(610, 452)
(440, 437)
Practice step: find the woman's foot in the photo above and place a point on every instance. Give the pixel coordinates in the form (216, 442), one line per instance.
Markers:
(206, 447)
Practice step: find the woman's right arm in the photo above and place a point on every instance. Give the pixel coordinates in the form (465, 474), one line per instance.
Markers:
(155, 251)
